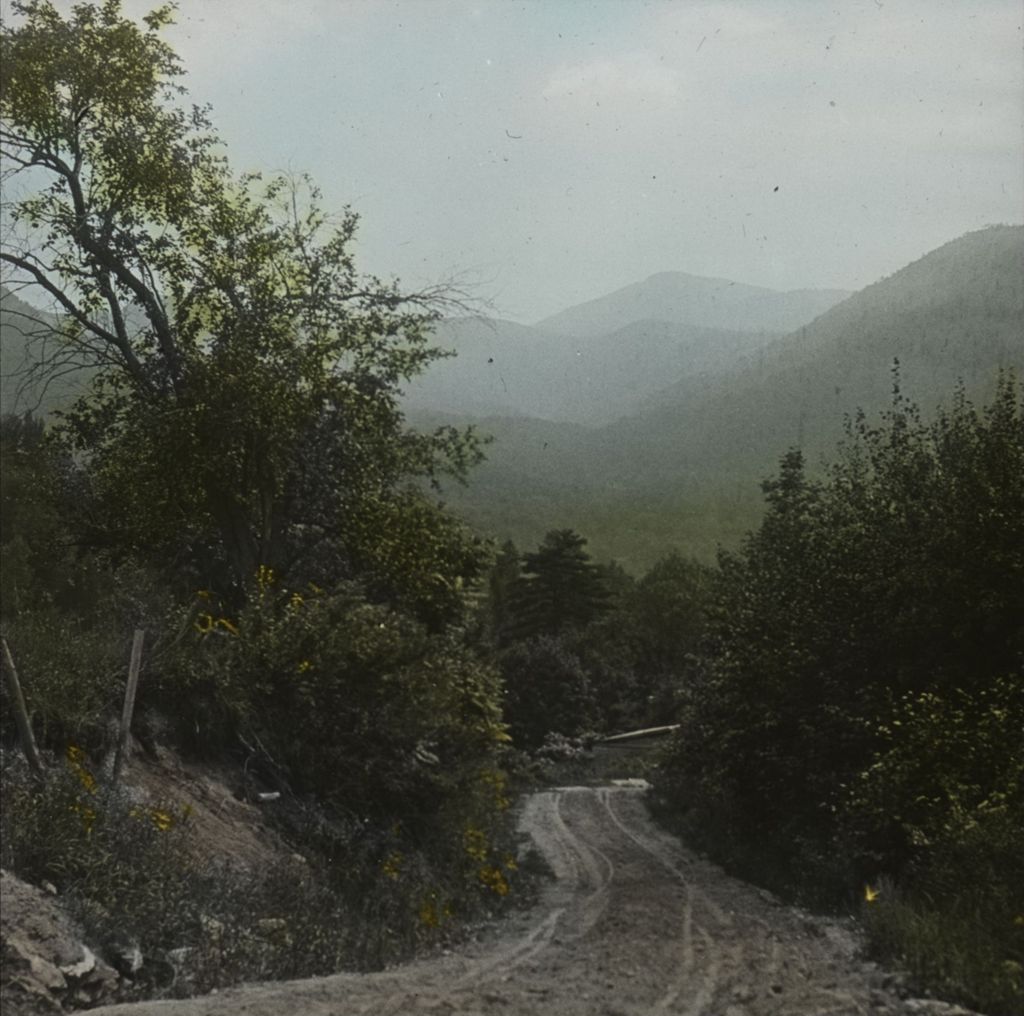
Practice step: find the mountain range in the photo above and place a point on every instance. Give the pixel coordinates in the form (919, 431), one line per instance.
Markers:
(606, 358)
(26, 345)
(683, 469)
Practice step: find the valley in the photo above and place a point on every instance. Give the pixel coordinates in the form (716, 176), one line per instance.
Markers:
(701, 414)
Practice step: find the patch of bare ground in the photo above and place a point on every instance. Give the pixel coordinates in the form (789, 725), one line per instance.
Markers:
(633, 924)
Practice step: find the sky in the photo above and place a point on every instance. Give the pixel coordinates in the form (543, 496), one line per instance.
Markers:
(548, 152)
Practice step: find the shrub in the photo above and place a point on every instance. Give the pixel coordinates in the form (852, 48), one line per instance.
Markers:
(862, 715)
(955, 919)
(358, 702)
(547, 691)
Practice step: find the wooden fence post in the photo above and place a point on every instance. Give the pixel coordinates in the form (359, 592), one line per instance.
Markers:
(28, 742)
(124, 736)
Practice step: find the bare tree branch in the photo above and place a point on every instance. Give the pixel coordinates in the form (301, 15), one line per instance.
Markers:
(122, 344)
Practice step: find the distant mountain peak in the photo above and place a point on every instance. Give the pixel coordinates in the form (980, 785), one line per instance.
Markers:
(695, 300)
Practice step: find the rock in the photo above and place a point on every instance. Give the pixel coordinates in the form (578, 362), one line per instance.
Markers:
(933, 1007)
(42, 971)
(274, 929)
(743, 993)
(26, 998)
(46, 966)
(213, 928)
(126, 955)
(84, 966)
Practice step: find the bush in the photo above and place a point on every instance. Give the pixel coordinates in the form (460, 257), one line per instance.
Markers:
(955, 919)
(862, 715)
(900, 574)
(946, 796)
(547, 691)
(359, 703)
(368, 894)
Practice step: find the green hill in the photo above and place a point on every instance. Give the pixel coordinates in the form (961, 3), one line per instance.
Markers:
(685, 472)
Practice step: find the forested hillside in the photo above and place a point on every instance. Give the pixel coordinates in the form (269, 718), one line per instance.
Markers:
(699, 452)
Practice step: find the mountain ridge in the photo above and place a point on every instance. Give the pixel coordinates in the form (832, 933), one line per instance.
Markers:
(955, 315)
(695, 300)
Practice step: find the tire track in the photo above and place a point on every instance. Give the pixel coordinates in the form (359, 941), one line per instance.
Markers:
(582, 863)
(704, 993)
(594, 906)
(631, 925)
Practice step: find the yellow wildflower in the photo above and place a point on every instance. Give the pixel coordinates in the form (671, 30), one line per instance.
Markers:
(475, 843)
(227, 625)
(86, 814)
(494, 880)
(429, 915)
(871, 894)
(392, 866)
(76, 759)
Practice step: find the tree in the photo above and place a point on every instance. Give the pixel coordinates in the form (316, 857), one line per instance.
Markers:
(560, 589)
(547, 690)
(505, 572)
(246, 409)
(869, 609)
(668, 609)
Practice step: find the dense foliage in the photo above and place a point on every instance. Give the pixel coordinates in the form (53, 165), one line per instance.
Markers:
(585, 648)
(245, 411)
(239, 482)
(862, 714)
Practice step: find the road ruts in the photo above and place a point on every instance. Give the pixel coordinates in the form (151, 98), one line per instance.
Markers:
(632, 924)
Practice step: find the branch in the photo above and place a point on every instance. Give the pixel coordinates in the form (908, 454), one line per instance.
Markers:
(84, 236)
(122, 345)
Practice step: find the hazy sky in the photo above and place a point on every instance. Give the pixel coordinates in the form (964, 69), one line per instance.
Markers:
(552, 151)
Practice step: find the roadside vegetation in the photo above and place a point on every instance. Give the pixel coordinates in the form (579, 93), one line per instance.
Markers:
(239, 483)
(857, 736)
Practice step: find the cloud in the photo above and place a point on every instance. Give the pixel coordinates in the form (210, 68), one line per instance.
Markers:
(630, 76)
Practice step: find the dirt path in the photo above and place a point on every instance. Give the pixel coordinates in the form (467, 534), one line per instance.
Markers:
(633, 925)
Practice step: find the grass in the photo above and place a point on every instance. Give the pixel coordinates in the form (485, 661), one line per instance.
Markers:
(957, 950)
(363, 898)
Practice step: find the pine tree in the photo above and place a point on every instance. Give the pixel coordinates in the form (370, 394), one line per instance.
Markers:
(560, 589)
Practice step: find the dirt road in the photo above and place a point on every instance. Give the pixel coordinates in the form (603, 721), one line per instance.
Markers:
(633, 925)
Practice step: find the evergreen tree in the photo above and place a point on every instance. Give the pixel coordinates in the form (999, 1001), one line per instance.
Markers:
(560, 589)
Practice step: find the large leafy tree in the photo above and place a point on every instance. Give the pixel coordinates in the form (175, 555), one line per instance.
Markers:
(246, 408)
